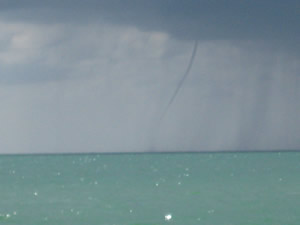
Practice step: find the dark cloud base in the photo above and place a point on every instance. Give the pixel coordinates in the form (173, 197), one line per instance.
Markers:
(190, 19)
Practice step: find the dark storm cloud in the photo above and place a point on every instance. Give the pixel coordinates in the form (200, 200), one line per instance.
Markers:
(118, 63)
(190, 19)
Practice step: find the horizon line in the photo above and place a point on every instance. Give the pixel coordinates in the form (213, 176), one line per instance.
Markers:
(151, 152)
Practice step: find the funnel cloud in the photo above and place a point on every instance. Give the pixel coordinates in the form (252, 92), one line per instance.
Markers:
(181, 82)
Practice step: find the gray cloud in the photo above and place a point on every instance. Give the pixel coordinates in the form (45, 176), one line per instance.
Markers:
(96, 75)
(256, 24)
(191, 19)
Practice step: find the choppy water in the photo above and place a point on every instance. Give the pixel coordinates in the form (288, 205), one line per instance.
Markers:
(151, 189)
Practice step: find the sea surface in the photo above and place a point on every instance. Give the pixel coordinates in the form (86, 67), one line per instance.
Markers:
(151, 189)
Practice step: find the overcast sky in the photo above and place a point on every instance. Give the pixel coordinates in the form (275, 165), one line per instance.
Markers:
(96, 76)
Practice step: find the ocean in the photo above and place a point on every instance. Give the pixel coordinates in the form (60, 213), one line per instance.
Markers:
(151, 189)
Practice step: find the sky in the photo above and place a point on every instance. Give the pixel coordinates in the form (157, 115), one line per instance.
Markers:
(97, 76)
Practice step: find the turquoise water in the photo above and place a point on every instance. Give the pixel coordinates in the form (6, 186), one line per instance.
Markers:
(142, 189)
